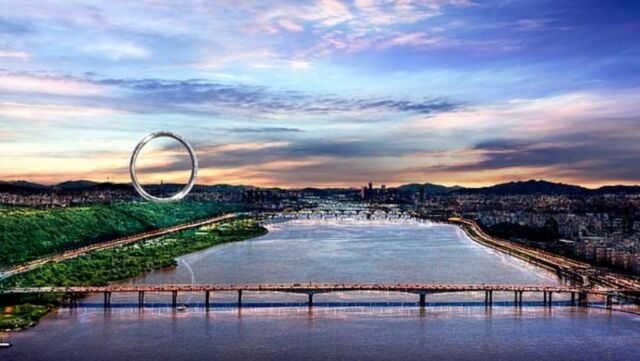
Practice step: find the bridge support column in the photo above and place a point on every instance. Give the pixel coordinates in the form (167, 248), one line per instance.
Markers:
(310, 299)
(488, 297)
(609, 302)
(520, 302)
(582, 299)
(515, 298)
(206, 299)
(240, 298)
(107, 299)
(174, 299)
(140, 298)
(422, 300)
(544, 302)
(550, 298)
(573, 298)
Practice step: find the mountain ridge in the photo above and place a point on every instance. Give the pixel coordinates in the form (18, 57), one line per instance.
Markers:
(527, 187)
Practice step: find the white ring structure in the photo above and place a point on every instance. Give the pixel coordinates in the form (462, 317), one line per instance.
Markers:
(134, 157)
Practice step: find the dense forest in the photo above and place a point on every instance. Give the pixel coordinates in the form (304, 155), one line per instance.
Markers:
(27, 234)
(101, 267)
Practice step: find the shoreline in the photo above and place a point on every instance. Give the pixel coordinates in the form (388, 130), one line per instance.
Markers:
(584, 273)
(59, 301)
(496, 246)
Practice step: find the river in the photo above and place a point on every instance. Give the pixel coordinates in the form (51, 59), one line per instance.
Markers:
(450, 327)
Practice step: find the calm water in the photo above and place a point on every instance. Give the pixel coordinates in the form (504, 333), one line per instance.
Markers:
(337, 252)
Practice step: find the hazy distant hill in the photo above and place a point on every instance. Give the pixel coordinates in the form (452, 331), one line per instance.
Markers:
(528, 188)
(79, 184)
(618, 189)
(428, 187)
(21, 186)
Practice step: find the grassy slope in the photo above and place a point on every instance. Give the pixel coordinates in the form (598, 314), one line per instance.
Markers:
(27, 234)
(117, 264)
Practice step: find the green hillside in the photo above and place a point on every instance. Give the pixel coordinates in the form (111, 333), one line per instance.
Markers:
(27, 234)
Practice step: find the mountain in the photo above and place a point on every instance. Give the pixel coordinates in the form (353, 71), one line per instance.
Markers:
(21, 186)
(529, 187)
(223, 188)
(619, 189)
(79, 184)
(429, 188)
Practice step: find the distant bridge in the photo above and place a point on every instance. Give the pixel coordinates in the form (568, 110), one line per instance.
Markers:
(314, 288)
(353, 213)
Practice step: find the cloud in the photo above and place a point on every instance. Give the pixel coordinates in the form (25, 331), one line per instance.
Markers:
(290, 25)
(11, 83)
(13, 27)
(117, 49)
(50, 112)
(14, 54)
(295, 150)
(264, 130)
(201, 96)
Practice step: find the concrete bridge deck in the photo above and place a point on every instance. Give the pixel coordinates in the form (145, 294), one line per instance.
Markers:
(311, 289)
(314, 288)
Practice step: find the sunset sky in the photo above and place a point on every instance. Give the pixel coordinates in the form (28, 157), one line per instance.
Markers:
(323, 93)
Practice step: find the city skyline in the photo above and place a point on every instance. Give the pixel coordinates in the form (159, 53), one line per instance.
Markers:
(324, 93)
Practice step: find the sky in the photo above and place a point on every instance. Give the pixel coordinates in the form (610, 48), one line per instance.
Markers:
(323, 93)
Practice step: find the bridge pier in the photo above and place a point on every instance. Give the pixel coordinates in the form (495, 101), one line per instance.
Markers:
(520, 292)
(550, 298)
(422, 300)
(582, 299)
(174, 299)
(310, 299)
(239, 298)
(73, 300)
(488, 298)
(140, 299)
(206, 299)
(107, 299)
(609, 302)
(573, 298)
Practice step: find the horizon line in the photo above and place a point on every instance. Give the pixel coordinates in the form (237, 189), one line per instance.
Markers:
(353, 187)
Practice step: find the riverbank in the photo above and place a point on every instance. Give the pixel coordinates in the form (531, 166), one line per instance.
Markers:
(117, 264)
(540, 258)
(28, 234)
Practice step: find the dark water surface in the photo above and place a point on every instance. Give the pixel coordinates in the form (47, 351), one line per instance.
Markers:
(338, 252)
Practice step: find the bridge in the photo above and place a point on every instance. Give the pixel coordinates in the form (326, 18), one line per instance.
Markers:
(311, 289)
(355, 213)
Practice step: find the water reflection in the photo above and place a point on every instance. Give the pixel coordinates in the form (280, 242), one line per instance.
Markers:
(434, 333)
(450, 327)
